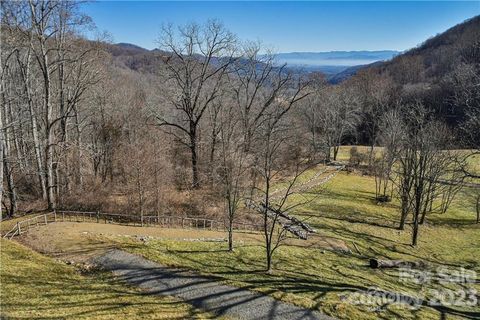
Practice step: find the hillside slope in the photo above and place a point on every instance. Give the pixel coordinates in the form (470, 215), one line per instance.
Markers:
(35, 286)
(443, 73)
(437, 56)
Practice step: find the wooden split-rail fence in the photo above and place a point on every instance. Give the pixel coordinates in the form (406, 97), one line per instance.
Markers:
(24, 226)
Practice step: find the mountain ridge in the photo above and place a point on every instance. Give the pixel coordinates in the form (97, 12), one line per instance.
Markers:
(335, 58)
(334, 62)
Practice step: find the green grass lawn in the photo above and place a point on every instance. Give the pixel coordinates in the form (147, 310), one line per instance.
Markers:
(34, 286)
(343, 209)
(344, 152)
(320, 279)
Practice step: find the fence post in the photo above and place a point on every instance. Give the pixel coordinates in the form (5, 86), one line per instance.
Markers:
(63, 216)
(45, 216)
(98, 216)
(55, 215)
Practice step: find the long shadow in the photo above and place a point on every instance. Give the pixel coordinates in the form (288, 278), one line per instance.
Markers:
(444, 310)
(346, 218)
(207, 293)
(232, 297)
(197, 251)
(454, 222)
(366, 196)
(60, 305)
(298, 282)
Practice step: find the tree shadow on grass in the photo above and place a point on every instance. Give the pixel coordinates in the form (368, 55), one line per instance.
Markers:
(345, 213)
(454, 222)
(195, 251)
(95, 295)
(297, 283)
(207, 293)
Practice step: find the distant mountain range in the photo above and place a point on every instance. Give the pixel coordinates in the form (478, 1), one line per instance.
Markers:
(341, 65)
(336, 65)
(333, 62)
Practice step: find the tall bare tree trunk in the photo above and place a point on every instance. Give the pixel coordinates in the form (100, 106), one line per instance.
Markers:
(38, 152)
(415, 229)
(335, 152)
(193, 150)
(12, 135)
(79, 176)
(2, 147)
(25, 73)
(404, 213)
(1, 178)
(477, 207)
(12, 193)
(49, 134)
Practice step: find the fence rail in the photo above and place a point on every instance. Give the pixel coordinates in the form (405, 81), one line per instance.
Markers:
(27, 224)
(125, 219)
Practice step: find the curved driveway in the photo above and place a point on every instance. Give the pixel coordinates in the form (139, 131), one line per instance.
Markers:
(200, 291)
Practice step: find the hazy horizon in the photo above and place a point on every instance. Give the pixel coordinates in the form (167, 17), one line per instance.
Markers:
(284, 26)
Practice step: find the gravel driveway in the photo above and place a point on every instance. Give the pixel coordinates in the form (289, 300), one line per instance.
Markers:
(200, 291)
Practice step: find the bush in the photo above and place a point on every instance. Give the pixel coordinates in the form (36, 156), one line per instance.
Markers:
(356, 157)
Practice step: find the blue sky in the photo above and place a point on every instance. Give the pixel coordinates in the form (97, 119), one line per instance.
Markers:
(290, 26)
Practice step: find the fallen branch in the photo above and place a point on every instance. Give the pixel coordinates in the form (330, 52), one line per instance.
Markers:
(379, 264)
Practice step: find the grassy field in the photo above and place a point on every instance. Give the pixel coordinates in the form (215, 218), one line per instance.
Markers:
(322, 279)
(308, 274)
(34, 286)
(344, 152)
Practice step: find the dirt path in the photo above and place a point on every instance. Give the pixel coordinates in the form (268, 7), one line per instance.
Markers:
(200, 291)
(80, 241)
(322, 176)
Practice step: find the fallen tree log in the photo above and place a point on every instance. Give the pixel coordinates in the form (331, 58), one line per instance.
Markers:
(287, 222)
(379, 263)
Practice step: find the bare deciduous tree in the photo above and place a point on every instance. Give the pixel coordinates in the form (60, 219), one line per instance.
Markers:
(390, 135)
(422, 161)
(339, 115)
(270, 148)
(233, 166)
(197, 63)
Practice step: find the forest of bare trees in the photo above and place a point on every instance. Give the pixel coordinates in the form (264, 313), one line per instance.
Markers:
(211, 121)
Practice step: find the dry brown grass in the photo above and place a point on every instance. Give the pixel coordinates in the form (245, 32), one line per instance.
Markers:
(34, 286)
